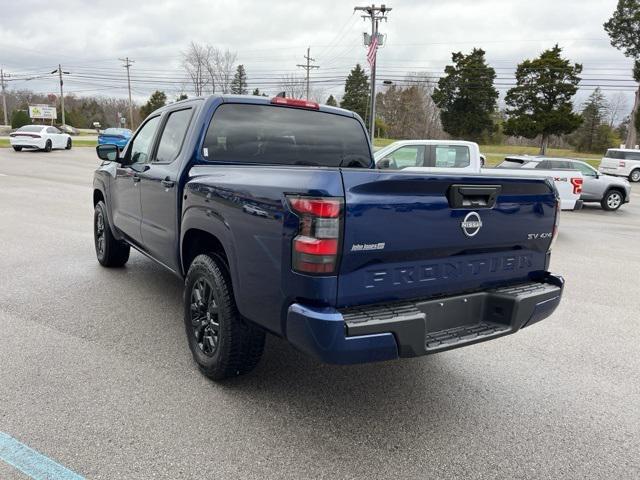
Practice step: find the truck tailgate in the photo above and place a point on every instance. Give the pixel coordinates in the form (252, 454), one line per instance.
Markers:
(403, 239)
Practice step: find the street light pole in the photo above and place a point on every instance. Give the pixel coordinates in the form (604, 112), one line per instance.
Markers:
(59, 71)
(4, 98)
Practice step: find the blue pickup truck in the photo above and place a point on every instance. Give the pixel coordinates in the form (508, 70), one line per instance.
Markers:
(273, 213)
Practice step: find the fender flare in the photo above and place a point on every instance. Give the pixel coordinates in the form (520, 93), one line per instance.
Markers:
(200, 218)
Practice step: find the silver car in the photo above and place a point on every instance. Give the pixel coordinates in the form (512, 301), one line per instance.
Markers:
(612, 192)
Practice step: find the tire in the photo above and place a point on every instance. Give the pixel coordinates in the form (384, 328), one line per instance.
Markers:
(223, 345)
(612, 200)
(17, 149)
(68, 147)
(48, 146)
(634, 176)
(109, 251)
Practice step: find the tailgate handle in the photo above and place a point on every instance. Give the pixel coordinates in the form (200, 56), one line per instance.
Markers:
(473, 196)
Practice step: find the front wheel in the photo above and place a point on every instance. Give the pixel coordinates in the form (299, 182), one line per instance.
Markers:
(17, 149)
(221, 342)
(635, 175)
(109, 251)
(68, 147)
(612, 200)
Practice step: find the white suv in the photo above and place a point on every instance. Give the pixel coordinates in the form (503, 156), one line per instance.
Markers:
(621, 162)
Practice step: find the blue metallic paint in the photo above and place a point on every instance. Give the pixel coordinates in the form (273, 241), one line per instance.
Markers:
(244, 207)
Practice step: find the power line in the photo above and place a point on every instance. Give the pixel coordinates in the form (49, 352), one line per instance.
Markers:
(375, 14)
(308, 67)
(127, 65)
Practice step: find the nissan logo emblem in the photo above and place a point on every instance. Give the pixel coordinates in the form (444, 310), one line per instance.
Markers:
(471, 224)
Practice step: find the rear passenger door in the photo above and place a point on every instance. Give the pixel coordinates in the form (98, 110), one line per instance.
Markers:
(159, 189)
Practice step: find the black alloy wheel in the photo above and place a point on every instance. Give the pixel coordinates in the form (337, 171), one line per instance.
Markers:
(204, 317)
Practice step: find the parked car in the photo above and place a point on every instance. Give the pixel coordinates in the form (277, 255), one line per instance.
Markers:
(621, 162)
(115, 136)
(611, 192)
(39, 136)
(69, 129)
(272, 212)
(464, 158)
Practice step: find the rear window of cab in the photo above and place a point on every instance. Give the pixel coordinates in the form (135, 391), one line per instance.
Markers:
(276, 135)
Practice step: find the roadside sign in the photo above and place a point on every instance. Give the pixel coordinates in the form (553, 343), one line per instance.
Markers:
(44, 112)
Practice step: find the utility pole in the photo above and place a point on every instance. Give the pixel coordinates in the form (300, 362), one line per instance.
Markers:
(4, 98)
(127, 65)
(375, 14)
(60, 72)
(308, 67)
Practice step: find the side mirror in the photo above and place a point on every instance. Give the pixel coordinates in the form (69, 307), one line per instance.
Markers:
(108, 153)
(384, 163)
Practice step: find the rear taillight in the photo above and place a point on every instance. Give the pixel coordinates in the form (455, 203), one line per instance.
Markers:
(556, 225)
(622, 164)
(316, 247)
(577, 185)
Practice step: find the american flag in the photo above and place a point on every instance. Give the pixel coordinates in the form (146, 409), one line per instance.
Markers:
(371, 54)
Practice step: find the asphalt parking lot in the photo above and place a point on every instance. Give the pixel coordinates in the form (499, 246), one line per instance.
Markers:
(95, 372)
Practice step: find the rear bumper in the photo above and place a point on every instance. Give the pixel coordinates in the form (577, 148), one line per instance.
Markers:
(26, 142)
(409, 329)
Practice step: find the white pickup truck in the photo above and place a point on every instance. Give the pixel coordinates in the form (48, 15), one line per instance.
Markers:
(456, 156)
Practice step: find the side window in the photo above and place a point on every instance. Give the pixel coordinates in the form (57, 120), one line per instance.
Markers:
(631, 156)
(173, 135)
(142, 143)
(452, 156)
(544, 165)
(52, 130)
(586, 170)
(407, 156)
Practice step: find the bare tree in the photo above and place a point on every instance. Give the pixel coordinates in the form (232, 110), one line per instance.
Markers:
(294, 86)
(617, 105)
(222, 68)
(197, 61)
(408, 110)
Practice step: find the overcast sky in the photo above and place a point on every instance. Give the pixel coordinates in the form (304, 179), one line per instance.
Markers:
(271, 38)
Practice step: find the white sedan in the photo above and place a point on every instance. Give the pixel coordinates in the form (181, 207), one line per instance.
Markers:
(39, 136)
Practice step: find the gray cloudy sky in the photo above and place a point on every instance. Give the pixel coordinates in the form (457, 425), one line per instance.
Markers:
(271, 37)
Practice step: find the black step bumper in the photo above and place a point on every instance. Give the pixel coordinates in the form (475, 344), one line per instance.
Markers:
(432, 326)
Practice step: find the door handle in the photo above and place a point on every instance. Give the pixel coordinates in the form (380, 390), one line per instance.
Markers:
(166, 183)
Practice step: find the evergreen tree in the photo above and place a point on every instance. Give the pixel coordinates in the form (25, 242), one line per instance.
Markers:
(156, 100)
(19, 118)
(589, 136)
(356, 92)
(182, 96)
(466, 96)
(332, 101)
(239, 82)
(540, 103)
(258, 93)
(624, 30)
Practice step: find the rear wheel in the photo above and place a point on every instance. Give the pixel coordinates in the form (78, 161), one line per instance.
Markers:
(109, 251)
(635, 175)
(17, 149)
(48, 146)
(612, 200)
(68, 147)
(222, 343)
